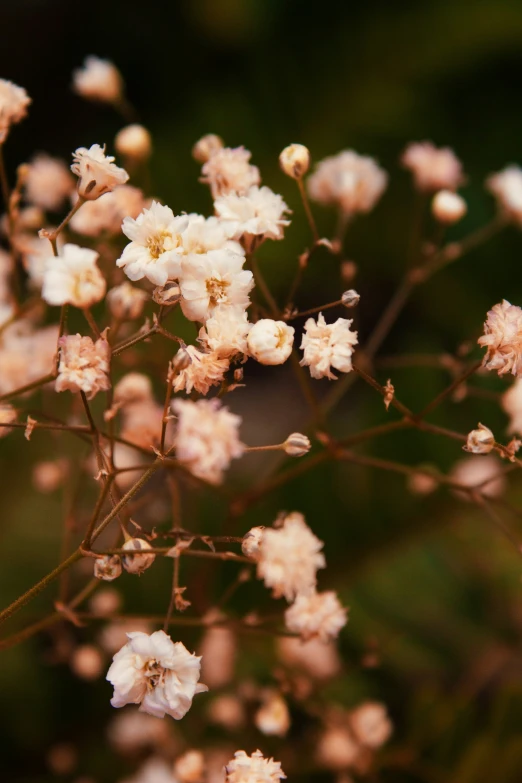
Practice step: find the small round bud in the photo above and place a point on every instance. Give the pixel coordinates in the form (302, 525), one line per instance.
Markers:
(168, 294)
(350, 298)
(448, 207)
(297, 445)
(105, 602)
(348, 271)
(181, 361)
(137, 564)
(107, 567)
(295, 160)
(480, 441)
(206, 147)
(252, 542)
(270, 342)
(87, 662)
(238, 375)
(134, 142)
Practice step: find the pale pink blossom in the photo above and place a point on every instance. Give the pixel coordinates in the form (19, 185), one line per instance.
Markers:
(126, 301)
(257, 213)
(327, 345)
(98, 80)
(97, 174)
(153, 770)
(131, 388)
(106, 213)
(134, 142)
(433, 168)
(214, 279)
(87, 662)
(84, 365)
(506, 186)
(13, 106)
(270, 342)
(229, 170)
(132, 731)
(370, 724)
(297, 445)
(207, 438)
(253, 769)
(225, 333)
(316, 614)
(353, 183)
(227, 711)
(156, 673)
(503, 339)
(204, 371)
(48, 475)
(73, 278)
(142, 423)
(48, 182)
(511, 402)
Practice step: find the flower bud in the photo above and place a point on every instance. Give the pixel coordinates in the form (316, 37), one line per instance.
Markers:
(270, 342)
(295, 160)
(107, 567)
(252, 542)
(297, 445)
(168, 294)
(480, 441)
(350, 298)
(448, 207)
(181, 361)
(137, 564)
(206, 147)
(134, 141)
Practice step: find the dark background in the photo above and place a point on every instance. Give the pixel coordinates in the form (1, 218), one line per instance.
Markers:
(430, 584)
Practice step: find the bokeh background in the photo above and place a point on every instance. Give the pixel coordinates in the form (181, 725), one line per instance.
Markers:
(434, 590)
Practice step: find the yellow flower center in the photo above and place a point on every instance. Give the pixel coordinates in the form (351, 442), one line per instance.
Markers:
(217, 290)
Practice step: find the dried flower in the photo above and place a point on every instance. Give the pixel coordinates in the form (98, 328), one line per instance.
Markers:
(107, 567)
(270, 342)
(96, 171)
(98, 80)
(133, 142)
(295, 160)
(206, 147)
(126, 302)
(48, 182)
(251, 543)
(349, 181)
(350, 298)
(433, 168)
(327, 345)
(153, 671)
(84, 365)
(503, 339)
(137, 564)
(203, 371)
(73, 277)
(316, 614)
(228, 170)
(206, 438)
(480, 441)
(448, 207)
(289, 557)
(258, 212)
(13, 106)
(297, 445)
(506, 186)
(371, 725)
(253, 769)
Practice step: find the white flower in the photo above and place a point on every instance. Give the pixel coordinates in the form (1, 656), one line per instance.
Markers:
(98, 80)
(204, 234)
(326, 346)
(448, 207)
(289, 557)
(371, 725)
(137, 563)
(503, 339)
(506, 186)
(216, 278)
(84, 365)
(35, 255)
(156, 673)
(126, 302)
(480, 441)
(73, 278)
(156, 244)
(134, 142)
(206, 437)
(96, 171)
(433, 168)
(13, 106)
(511, 402)
(253, 769)
(270, 342)
(105, 214)
(273, 717)
(205, 370)
(48, 182)
(225, 333)
(258, 212)
(352, 182)
(316, 614)
(229, 170)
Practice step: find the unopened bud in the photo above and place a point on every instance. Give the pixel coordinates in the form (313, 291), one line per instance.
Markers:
(181, 361)
(137, 564)
(206, 147)
(480, 441)
(107, 567)
(134, 142)
(348, 271)
(238, 375)
(168, 294)
(448, 207)
(252, 542)
(295, 160)
(297, 445)
(350, 298)
(87, 662)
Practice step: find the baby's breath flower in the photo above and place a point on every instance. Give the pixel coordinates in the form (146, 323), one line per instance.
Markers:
(207, 437)
(206, 147)
(156, 673)
(133, 142)
(270, 342)
(289, 557)
(205, 370)
(84, 365)
(316, 615)
(480, 441)
(73, 278)
(225, 333)
(251, 543)
(253, 769)
(433, 168)
(353, 183)
(48, 182)
(448, 207)
(371, 725)
(506, 186)
(98, 80)
(295, 160)
(13, 106)
(105, 214)
(228, 170)
(326, 346)
(126, 302)
(503, 339)
(107, 567)
(257, 213)
(137, 563)
(214, 279)
(297, 445)
(273, 717)
(96, 172)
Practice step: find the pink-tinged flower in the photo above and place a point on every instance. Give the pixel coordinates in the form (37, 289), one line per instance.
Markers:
(317, 614)
(228, 170)
(215, 279)
(73, 278)
(204, 371)
(270, 342)
(84, 365)
(105, 214)
(258, 213)
(13, 106)
(48, 182)
(371, 725)
(98, 80)
(433, 168)
(327, 345)
(503, 339)
(289, 557)
(353, 183)
(225, 334)
(253, 769)
(96, 172)
(156, 673)
(207, 438)
(506, 186)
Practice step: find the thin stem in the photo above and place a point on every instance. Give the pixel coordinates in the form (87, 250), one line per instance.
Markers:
(307, 209)
(92, 323)
(28, 386)
(260, 281)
